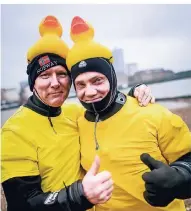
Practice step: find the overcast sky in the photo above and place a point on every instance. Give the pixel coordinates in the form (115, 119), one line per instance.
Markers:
(151, 35)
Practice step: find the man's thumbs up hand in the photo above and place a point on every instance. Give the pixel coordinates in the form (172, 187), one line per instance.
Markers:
(160, 182)
(94, 169)
(97, 187)
(151, 162)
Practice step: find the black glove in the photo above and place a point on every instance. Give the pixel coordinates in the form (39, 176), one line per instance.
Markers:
(161, 183)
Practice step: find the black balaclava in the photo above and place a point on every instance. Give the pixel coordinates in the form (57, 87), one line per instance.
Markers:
(41, 63)
(103, 66)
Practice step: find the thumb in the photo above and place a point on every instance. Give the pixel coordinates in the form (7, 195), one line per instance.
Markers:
(151, 162)
(94, 169)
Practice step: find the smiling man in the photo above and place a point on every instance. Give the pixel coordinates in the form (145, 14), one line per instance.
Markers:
(120, 132)
(147, 150)
(40, 148)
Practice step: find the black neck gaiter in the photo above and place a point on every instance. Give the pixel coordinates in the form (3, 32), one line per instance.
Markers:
(35, 104)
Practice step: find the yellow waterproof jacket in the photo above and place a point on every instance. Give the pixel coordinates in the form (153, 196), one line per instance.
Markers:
(31, 147)
(122, 139)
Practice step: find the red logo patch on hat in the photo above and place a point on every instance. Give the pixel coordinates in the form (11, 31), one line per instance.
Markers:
(43, 60)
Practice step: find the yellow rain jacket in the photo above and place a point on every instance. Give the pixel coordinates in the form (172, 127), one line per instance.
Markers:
(122, 139)
(31, 147)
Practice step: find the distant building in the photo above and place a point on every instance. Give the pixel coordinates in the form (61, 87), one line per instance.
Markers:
(122, 80)
(118, 56)
(24, 92)
(154, 74)
(131, 69)
(151, 75)
(9, 96)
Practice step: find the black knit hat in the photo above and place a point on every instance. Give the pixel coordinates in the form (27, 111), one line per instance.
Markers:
(103, 66)
(41, 63)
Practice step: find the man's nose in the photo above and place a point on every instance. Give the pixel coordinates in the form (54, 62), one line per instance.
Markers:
(90, 91)
(54, 81)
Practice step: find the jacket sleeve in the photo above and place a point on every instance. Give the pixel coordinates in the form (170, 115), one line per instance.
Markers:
(25, 193)
(131, 91)
(183, 166)
(174, 140)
